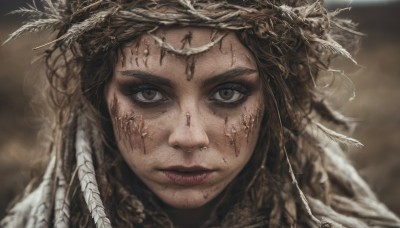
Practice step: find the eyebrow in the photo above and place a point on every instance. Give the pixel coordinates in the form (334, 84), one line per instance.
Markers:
(225, 76)
(228, 75)
(147, 77)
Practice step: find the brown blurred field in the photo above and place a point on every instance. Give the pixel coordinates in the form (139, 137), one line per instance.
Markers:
(377, 105)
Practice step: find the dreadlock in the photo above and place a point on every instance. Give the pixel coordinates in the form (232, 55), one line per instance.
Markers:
(297, 176)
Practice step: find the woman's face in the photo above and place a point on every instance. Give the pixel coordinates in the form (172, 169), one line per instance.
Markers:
(186, 126)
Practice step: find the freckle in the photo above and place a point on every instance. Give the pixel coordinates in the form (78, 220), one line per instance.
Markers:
(223, 159)
(188, 119)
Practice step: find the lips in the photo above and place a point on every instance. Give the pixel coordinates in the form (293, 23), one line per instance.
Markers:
(187, 176)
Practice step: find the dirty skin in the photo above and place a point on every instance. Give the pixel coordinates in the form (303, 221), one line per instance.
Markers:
(146, 53)
(243, 128)
(128, 126)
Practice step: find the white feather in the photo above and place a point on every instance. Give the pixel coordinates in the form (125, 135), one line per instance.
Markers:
(87, 178)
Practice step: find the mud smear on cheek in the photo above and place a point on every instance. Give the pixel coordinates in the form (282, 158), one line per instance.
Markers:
(243, 129)
(128, 126)
(231, 134)
(250, 122)
(233, 138)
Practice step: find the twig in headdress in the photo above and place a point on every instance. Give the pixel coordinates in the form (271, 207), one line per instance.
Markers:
(192, 10)
(335, 136)
(187, 51)
(34, 26)
(78, 29)
(334, 47)
(301, 194)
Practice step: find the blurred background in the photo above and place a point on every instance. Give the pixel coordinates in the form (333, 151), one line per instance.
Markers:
(376, 105)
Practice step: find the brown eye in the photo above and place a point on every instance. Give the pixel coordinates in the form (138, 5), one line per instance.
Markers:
(226, 95)
(149, 96)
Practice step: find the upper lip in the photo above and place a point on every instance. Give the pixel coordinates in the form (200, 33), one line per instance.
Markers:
(180, 168)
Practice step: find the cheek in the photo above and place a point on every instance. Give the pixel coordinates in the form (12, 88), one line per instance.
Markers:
(130, 130)
(241, 131)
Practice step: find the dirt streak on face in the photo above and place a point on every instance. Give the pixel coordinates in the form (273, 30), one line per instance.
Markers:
(137, 46)
(187, 39)
(146, 53)
(128, 126)
(242, 129)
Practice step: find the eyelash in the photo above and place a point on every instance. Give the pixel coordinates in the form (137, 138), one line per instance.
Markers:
(240, 91)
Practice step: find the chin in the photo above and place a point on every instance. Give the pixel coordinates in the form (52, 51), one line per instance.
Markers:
(186, 198)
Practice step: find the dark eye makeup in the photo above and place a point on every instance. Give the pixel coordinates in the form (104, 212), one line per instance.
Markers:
(225, 95)
(145, 95)
(229, 94)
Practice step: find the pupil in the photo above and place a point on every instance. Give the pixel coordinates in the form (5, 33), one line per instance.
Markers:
(149, 94)
(226, 94)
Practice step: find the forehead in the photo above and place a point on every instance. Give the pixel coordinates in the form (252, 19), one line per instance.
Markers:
(146, 54)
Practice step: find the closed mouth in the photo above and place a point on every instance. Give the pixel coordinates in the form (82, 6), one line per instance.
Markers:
(187, 176)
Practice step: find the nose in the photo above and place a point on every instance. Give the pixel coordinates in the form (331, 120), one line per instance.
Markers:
(189, 132)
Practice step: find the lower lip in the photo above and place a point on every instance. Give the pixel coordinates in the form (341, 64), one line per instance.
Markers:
(187, 179)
